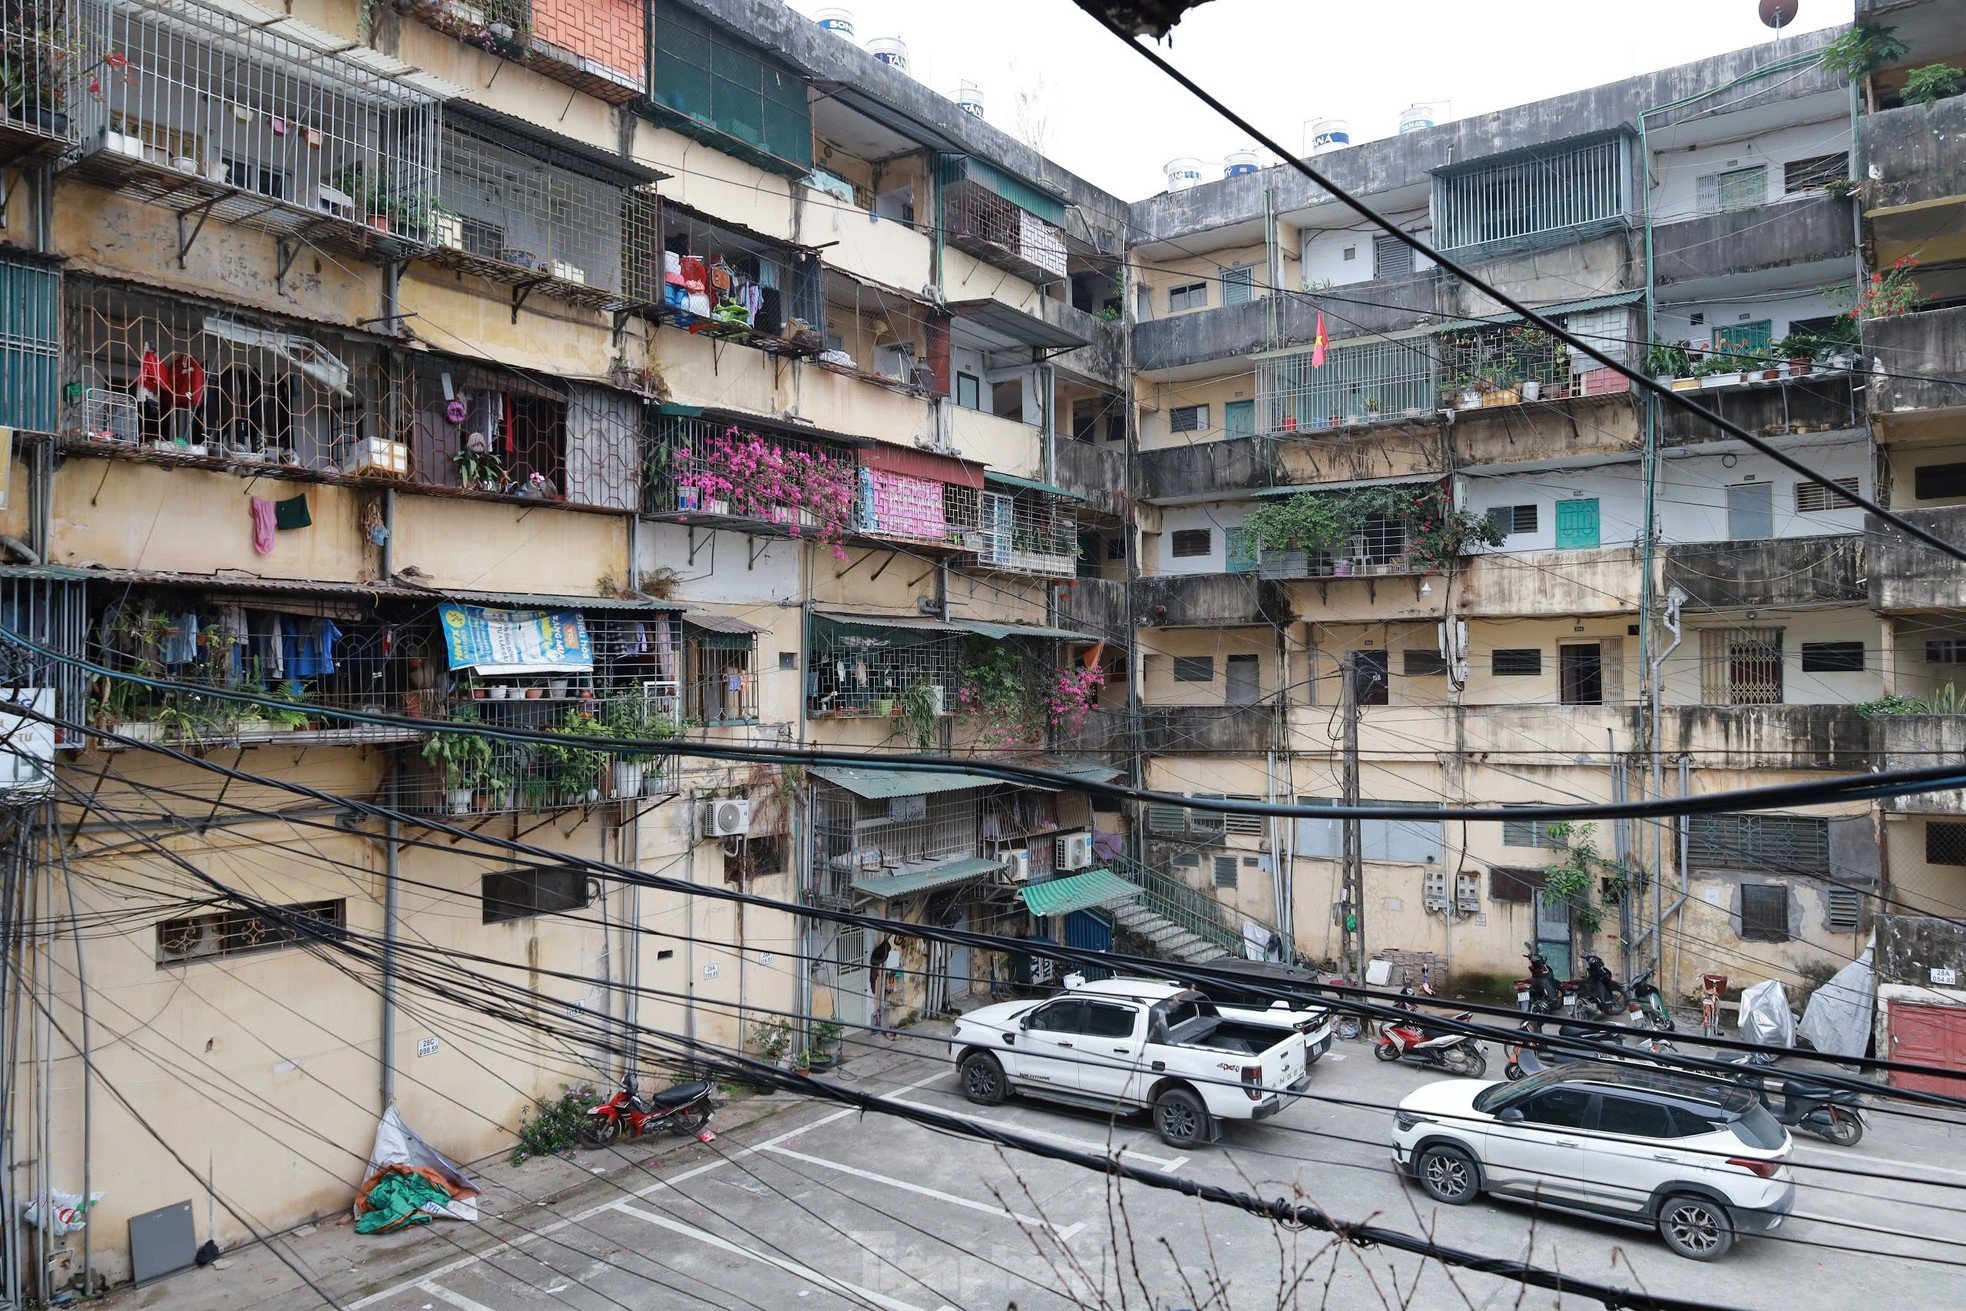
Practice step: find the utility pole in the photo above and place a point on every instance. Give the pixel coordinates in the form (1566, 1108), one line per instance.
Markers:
(1352, 897)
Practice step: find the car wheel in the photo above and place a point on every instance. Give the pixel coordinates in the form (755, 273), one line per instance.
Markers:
(1695, 1228)
(983, 1079)
(1845, 1128)
(1180, 1118)
(1448, 1174)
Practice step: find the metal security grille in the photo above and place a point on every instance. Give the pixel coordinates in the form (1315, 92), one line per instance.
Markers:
(213, 112)
(858, 671)
(1789, 844)
(1812, 498)
(30, 335)
(51, 613)
(239, 932)
(854, 837)
(1845, 910)
(787, 316)
(1741, 666)
(1358, 382)
(45, 48)
(1165, 821)
(717, 82)
(1556, 189)
(1765, 912)
(1945, 842)
(1248, 826)
(1529, 833)
(1026, 532)
(1501, 359)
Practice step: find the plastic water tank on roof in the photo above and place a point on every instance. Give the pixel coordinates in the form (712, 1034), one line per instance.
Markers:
(969, 99)
(1183, 173)
(890, 50)
(837, 21)
(1415, 117)
(1238, 163)
(1327, 134)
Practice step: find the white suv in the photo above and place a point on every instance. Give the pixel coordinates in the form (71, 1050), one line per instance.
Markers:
(1697, 1159)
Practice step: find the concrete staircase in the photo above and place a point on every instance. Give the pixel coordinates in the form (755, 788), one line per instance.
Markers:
(1163, 936)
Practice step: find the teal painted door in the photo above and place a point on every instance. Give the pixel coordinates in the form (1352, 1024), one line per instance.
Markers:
(1239, 418)
(1241, 550)
(1576, 524)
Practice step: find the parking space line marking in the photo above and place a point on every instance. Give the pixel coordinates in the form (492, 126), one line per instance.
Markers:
(907, 1186)
(789, 1266)
(1846, 1156)
(458, 1300)
(1841, 1223)
(512, 1244)
(1159, 1162)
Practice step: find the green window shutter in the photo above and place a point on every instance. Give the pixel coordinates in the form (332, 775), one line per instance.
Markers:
(1241, 550)
(1577, 524)
(30, 344)
(1239, 418)
(1744, 338)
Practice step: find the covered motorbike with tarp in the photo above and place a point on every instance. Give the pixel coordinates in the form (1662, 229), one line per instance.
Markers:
(409, 1183)
(1838, 1017)
(1766, 1018)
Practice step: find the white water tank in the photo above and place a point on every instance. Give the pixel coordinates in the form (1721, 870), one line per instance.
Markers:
(1415, 117)
(1238, 163)
(1325, 134)
(969, 99)
(890, 50)
(1183, 173)
(837, 21)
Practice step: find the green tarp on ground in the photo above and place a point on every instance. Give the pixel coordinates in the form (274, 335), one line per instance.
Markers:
(397, 1200)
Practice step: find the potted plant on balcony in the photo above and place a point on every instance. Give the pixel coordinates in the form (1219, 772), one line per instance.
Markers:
(574, 769)
(921, 711)
(463, 761)
(637, 719)
(478, 466)
(1933, 82)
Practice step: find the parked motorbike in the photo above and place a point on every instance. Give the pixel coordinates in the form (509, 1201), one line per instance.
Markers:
(1646, 995)
(685, 1108)
(1521, 1056)
(1832, 1113)
(1599, 991)
(1542, 992)
(1413, 1039)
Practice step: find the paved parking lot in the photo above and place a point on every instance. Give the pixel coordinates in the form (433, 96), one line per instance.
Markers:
(822, 1207)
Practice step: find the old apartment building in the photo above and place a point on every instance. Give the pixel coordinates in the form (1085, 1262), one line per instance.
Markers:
(683, 369)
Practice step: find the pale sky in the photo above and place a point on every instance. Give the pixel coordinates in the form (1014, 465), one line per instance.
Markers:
(1116, 121)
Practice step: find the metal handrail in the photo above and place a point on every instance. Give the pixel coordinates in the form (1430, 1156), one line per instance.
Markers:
(1183, 906)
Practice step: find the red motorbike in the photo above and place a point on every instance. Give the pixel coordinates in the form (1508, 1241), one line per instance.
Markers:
(685, 1108)
(1413, 1039)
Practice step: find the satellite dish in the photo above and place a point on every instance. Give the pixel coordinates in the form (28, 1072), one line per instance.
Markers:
(1779, 13)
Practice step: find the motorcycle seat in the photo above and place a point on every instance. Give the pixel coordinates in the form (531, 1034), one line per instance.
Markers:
(681, 1094)
(1575, 1031)
(1803, 1090)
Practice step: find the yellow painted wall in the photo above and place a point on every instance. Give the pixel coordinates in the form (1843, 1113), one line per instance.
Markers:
(1156, 399)
(494, 546)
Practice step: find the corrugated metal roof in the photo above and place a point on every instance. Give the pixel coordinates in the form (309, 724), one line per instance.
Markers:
(1090, 771)
(880, 784)
(1094, 888)
(719, 623)
(545, 601)
(1608, 301)
(914, 462)
(1029, 485)
(977, 627)
(1296, 488)
(1013, 326)
(1001, 631)
(909, 882)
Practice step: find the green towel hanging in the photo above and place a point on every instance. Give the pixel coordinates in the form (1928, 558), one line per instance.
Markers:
(292, 513)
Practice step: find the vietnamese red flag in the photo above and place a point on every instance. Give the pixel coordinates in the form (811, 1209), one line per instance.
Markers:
(1317, 344)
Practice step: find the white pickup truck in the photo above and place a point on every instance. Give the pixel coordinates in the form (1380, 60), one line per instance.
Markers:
(1141, 1044)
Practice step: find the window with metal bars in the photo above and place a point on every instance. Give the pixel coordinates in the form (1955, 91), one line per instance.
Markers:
(1814, 172)
(1190, 542)
(1187, 418)
(717, 81)
(1945, 842)
(1385, 377)
(1225, 871)
(1738, 188)
(1741, 666)
(1813, 498)
(1552, 189)
(1512, 519)
(30, 343)
(1765, 912)
(1517, 662)
(1790, 844)
(240, 932)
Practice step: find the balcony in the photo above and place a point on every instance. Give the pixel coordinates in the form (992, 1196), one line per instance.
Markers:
(1001, 220)
(44, 50)
(1792, 233)
(1210, 601)
(263, 121)
(1909, 575)
(1102, 359)
(1097, 473)
(1500, 583)
(1918, 180)
(1183, 730)
(1923, 350)
(596, 46)
(1819, 401)
(1097, 606)
(1775, 737)
(1920, 742)
(1782, 572)
(1203, 470)
(1025, 527)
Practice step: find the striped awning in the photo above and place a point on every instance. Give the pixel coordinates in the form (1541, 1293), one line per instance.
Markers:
(888, 886)
(1087, 891)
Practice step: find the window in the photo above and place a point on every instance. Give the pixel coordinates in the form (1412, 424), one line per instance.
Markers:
(1515, 884)
(1391, 257)
(1844, 913)
(1739, 188)
(1741, 666)
(1248, 826)
(720, 683)
(1371, 685)
(1832, 657)
(1225, 871)
(1517, 662)
(1423, 664)
(1561, 1108)
(1060, 1017)
(1639, 1119)
(1165, 821)
(1938, 482)
(1187, 418)
(1105, 1021)
(1765, 912)
(1946, 651)
(240, 932)
(1814, 172)
(757, 857)
(1194, 669)
(1190, 542)
(788, 661)
(1749, 338)
(1350, 254)
(1192, 296)
(522, 894)
(1512, 519)
(1116, 548)
(1530, 833)
(249, 176)
(1577, 524)
(969, 391)
(1791, 844)
(30, 345)
(1239, 551)
(1751, 511)
(1553, 188)
(1239, 418)
(1945, 842)
(1403, 841)
(1238, 284)
(1188, 859)
(1245, 681)
(1580, 673)
(1812, 498)
(729, 86)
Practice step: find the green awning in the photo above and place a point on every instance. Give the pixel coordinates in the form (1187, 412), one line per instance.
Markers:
(1028, 484)
(889, 886)
(1085, 891)
(1606, 302)
(880, 784)
(968, 168)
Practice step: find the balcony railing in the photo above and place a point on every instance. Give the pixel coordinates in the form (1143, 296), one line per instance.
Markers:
(1184, 906)
(254, 118)
(504, 777)
(46, 50)
(595, 46)
(1026, 533)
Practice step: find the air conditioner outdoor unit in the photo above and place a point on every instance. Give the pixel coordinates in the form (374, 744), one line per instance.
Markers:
(726, 817)
(1073, 851)
(1017, 866)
